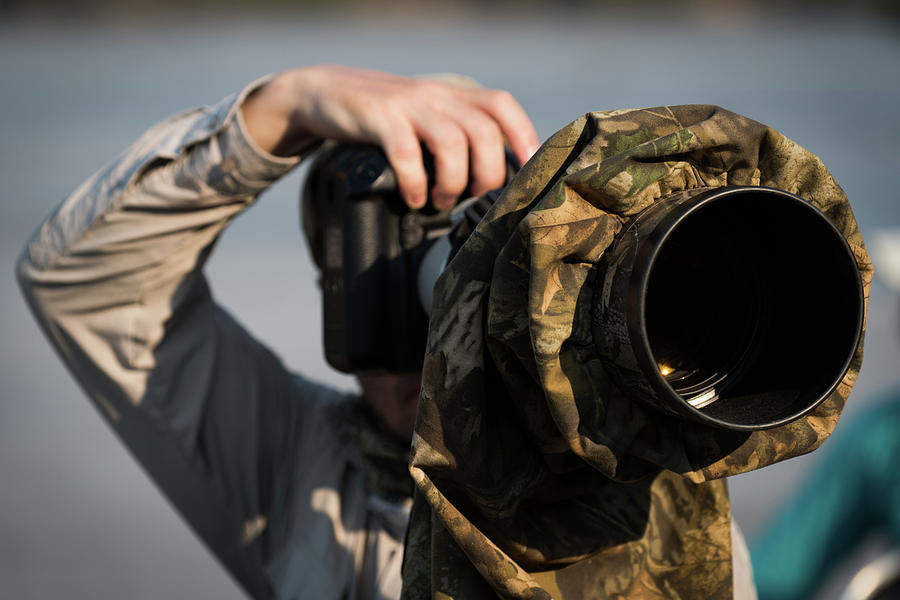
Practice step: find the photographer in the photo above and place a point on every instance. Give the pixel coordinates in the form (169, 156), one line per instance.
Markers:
(545, 464)
(300, 490)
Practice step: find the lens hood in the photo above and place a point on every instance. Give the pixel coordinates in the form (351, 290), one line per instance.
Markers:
(738, 307)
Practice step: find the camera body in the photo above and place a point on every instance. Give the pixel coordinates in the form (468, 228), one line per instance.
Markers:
(378, 258)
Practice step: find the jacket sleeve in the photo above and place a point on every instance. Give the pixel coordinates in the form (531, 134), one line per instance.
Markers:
(114, 278)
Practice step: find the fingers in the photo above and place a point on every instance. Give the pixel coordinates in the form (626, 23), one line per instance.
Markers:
(449, 145)
(467, 141)
(486, 150)
(401, 146)
(512, 119)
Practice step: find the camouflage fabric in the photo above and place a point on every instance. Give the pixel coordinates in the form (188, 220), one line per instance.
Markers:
(536, 477)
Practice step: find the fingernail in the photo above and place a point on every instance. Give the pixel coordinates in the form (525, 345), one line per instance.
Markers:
(417, 200)
(442, 201)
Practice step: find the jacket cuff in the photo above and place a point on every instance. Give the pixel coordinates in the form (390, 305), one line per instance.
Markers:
(245, 168)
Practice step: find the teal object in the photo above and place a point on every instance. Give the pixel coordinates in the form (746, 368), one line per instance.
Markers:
(853, 494)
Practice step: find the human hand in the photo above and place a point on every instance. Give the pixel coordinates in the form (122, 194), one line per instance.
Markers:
(462, 127)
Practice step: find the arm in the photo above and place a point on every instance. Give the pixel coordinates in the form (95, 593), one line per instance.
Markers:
(114, 278)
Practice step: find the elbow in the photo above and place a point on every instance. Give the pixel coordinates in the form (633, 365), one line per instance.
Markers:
(36, 292)
(24, 271)
(26, 277)
(35, 268)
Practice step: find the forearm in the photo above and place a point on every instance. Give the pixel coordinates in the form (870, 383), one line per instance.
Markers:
(120, 255)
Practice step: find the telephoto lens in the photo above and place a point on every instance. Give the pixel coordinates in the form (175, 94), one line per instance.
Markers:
(739, 307)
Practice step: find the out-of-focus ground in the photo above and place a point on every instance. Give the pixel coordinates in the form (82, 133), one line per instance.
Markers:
(77, 516)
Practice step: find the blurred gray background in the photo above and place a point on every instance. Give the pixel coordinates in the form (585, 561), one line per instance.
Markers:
(79, 82)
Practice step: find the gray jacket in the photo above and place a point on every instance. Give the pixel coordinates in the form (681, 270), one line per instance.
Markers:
(254, 457)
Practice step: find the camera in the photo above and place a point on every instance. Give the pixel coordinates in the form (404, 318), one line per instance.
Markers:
(736, 307)
(378, 258)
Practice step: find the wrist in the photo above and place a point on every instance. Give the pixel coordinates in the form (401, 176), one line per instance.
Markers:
(269, 114)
